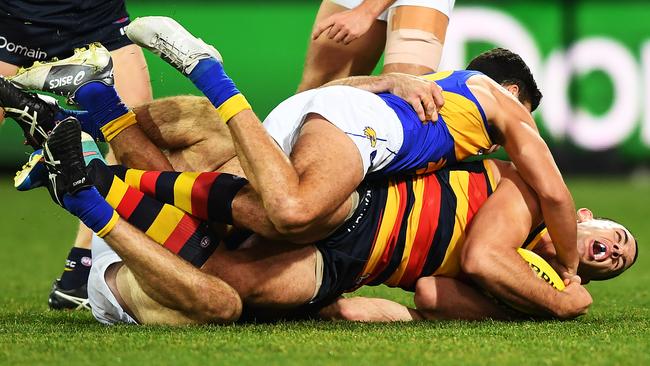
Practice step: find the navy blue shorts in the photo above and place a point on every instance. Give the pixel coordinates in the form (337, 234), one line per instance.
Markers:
(346, 252)
(37, 31)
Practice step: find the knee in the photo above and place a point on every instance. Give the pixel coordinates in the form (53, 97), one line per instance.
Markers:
(426, 294)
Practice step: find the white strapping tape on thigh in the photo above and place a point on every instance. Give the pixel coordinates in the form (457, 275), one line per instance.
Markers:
(413, 46)
(318, 269)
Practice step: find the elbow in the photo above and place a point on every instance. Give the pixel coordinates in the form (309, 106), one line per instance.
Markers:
(426, 296)
(474, 262)
(555, 194)
(292, 219)
(217, 307)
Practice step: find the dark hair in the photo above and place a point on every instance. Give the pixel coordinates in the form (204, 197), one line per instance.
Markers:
(507, 68)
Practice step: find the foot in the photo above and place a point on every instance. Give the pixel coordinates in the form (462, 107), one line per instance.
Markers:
(64, 160)
(34, 114)
(33, 174)
(76, 298)
(65, 77)
(169, 40)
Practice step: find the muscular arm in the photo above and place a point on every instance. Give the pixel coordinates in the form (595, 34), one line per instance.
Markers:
(489, 254)
(423, 95)
(535, 164)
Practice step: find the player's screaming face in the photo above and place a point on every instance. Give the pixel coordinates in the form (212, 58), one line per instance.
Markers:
(606, 248)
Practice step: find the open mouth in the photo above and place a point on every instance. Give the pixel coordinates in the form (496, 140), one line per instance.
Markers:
(599, 250)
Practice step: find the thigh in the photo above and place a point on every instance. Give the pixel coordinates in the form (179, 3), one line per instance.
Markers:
(188, 130)
(267, 274)
(132, 79)
(329, 167)
(327, 60)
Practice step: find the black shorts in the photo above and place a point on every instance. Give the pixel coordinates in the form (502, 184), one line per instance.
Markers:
(346, 252)
(40, 30)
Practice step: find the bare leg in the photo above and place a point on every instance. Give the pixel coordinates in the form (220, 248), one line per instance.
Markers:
(308, 192)
(169, 281)
(328, 60)
(133, 86)
(189, 131)
(289, 278)
(415, 39)
(131, 75)
(6, 70)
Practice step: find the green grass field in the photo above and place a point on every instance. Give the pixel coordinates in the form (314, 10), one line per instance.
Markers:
(35, 236)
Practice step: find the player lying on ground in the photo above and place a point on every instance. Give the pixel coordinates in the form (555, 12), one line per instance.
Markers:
(142, 147)
(370, 134)
(314, 202)
(138, 146)
(433, 240)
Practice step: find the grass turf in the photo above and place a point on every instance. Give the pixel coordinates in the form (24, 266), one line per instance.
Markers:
(35, 236)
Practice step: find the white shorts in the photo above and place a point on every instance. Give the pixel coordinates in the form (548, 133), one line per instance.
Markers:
(371, 124)
(443, 6)
(103, 303)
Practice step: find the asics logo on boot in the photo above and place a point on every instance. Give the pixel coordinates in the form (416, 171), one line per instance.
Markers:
(79, 182)
(67, 80)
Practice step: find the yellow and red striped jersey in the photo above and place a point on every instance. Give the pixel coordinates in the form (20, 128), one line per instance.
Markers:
(423, 223)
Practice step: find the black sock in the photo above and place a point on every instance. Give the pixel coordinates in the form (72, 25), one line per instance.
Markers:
(77, 268)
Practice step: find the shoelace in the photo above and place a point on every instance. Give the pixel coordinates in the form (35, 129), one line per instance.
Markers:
(169, 52)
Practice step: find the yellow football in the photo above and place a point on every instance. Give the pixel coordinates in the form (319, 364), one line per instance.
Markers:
(542, 269)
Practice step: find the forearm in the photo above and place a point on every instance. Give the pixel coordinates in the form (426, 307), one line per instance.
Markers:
(537, 167)
(364, 309)
(506, 276)
(373, 84)
(560, 219)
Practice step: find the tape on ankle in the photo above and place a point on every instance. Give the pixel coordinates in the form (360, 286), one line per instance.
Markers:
(232, 106)
(114, 127)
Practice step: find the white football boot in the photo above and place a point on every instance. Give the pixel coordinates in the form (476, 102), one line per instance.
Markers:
(65, 77)
(166, 38)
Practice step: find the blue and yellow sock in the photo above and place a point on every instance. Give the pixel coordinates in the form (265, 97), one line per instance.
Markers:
(104, 115)
(92, 209)
(211, 79)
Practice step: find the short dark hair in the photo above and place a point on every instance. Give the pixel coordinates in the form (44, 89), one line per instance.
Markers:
(507, 68)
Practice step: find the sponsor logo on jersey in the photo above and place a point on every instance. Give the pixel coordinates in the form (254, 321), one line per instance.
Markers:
(205, 242)
(370, 135)
(21, 50)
